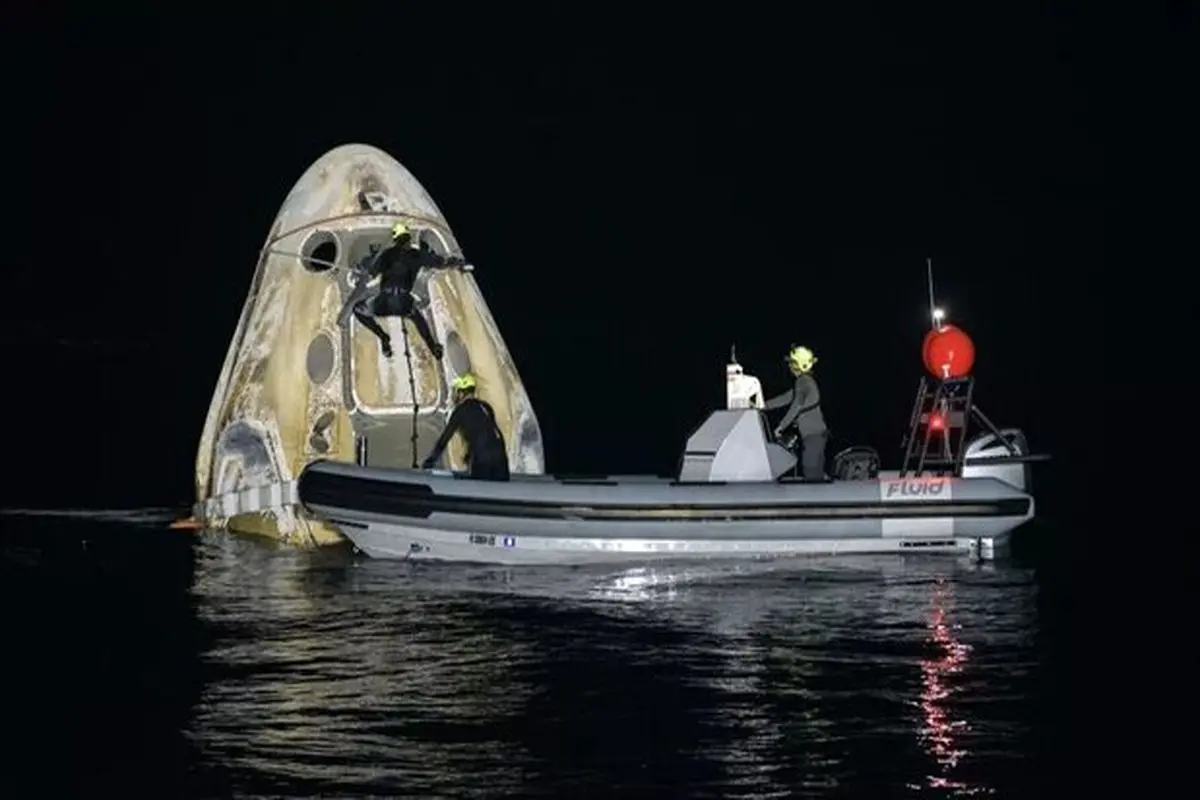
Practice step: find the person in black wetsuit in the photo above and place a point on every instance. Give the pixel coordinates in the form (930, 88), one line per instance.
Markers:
(398, 266)
(803, 403)
(487, 458)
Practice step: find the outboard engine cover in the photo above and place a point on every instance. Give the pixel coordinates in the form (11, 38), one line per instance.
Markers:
(856, 464)
(990, 457)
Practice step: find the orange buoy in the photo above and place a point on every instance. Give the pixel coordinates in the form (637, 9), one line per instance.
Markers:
(948, 352)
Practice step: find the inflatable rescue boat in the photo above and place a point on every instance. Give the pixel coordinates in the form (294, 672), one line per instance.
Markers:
(736, 494)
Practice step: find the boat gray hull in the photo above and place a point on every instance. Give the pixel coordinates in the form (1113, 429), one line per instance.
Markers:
(418, 515)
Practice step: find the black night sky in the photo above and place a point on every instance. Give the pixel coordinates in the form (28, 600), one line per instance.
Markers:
(636, 198)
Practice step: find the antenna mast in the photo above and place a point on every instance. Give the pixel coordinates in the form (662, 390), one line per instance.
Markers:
(935, 313)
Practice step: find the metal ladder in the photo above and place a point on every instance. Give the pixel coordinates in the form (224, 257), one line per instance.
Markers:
(944, 410)
(939, 422)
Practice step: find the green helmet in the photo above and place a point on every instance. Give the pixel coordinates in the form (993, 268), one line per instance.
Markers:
(399, 229)
(464, 382)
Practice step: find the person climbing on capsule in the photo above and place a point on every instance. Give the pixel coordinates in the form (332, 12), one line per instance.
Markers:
(803, 403)
(397, 267)
(487, 457)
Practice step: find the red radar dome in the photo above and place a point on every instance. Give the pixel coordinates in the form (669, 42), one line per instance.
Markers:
(948, 353)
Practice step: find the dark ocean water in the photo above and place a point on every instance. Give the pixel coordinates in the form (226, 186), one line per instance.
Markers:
(145, 662)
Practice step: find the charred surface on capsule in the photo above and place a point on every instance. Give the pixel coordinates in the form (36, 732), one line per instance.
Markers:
(296, 386)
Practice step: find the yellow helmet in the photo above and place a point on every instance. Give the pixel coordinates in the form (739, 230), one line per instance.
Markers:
(399, 229)
(801, 359)
(464, 382)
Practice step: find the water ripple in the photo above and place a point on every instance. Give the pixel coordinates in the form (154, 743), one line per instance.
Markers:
(780, 679)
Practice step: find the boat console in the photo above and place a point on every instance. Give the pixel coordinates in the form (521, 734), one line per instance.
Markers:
(734, 443)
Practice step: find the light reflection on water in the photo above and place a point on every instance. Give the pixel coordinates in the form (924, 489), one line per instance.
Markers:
(940, 732)
(769, 679)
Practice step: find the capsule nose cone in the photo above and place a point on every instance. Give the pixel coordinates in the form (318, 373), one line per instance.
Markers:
(357, 180)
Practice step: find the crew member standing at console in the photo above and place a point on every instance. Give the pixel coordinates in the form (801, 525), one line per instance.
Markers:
(804, 411)
(398, 266)
(487, 457)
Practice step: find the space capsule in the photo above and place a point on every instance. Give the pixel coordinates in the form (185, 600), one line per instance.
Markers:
(300, 384)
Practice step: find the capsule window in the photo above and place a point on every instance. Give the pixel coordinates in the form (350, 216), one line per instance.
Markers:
(320, 251)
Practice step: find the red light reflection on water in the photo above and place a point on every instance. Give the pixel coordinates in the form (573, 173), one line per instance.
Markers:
(940, 732)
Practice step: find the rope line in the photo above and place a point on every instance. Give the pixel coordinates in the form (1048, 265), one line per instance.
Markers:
(412, 387)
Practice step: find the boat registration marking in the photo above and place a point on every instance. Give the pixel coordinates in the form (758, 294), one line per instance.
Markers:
(490, 540)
